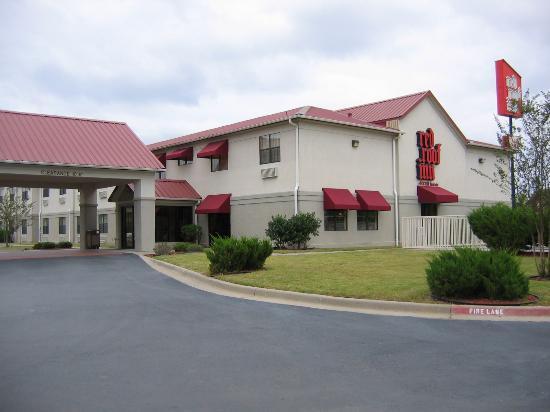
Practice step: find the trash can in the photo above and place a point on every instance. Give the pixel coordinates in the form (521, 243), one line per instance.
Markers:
(92, 239)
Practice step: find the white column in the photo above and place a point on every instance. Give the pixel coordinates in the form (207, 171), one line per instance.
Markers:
(88, 212)
(35, 214)
(144, 214)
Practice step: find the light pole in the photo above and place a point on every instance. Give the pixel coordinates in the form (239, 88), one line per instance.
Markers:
(512, 164)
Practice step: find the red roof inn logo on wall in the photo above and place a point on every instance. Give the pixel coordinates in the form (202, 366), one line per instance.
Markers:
(429, 155)
(508, 90)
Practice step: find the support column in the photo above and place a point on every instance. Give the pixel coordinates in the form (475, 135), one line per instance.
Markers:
(88, 212)
(144, 214)
(35, 214)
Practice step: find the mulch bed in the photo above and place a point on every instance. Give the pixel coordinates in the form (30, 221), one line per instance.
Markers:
(529, 300)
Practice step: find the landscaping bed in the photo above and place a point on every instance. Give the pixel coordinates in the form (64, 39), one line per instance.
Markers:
(384, 274)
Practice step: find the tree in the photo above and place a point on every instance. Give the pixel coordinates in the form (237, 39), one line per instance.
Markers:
(12, 211)
(532, 159)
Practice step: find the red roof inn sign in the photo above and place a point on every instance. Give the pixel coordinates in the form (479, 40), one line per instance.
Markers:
(429, 155)
(508, 90)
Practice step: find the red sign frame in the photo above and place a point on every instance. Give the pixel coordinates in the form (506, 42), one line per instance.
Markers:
(509, 90)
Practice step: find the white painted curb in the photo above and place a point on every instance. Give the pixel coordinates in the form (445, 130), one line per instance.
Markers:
(369, 306)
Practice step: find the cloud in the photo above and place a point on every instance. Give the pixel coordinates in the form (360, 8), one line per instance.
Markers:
(173, 67)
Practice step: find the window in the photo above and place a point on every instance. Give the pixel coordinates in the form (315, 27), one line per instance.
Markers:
(367, 220)
(103, 223)
(183, 162)
(45, 226)
(12, 194)
(336, 220)
(270, 148)
(1, 194)
(169, 220)
(161, 174)
(23, 226)
(45, 192)
(62, 225)
(62, 192)
(428, 209)
(218, 163)
(78, 225)
(25, 195)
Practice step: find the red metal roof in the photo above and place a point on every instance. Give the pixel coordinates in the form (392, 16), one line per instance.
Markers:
(386, 109)
(339, 199)
(175, 189)
(372, 200)
(215, 204)
(435, 194)
(46, 139)
(307, 112)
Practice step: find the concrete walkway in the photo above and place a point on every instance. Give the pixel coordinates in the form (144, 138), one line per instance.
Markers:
(111, 334)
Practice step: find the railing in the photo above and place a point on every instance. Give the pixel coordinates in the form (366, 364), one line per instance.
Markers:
(437, 232)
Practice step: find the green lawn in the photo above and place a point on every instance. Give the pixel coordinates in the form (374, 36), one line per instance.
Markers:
(14, 246)
(386, 274)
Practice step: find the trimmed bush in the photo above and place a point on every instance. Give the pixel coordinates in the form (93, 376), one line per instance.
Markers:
(502, 227)
(230, 255)
(162, 248)
(64, 245)
(473, 273)
(191, 233)
(293, 232)
(184, 247)
(44, 245)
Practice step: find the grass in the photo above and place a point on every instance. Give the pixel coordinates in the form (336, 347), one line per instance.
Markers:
(15, 246)
(385, 274)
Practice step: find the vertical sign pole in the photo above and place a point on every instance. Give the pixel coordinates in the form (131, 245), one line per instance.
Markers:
(512, 165)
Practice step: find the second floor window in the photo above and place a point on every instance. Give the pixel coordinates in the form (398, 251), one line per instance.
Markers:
(62, 192)
(270, 148)
(62, 225)
(218, 163)
(161, 174)
(103, 223)
(45, 192)
(45, 226)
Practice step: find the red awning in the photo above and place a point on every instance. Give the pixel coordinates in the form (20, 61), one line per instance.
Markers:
(214, 149)
(372, 200)
(339, 199)
(162, 158)
(182, 154)
(214, 204)
(435, 194)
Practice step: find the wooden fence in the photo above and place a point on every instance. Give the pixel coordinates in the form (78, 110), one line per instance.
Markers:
(437, 232)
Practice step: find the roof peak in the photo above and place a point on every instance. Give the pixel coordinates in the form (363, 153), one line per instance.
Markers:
(424, 92)
(55, 116)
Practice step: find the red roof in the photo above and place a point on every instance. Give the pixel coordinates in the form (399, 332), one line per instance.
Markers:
(339, 199)
(386, 109)
(215, 204)
(182, 154)
(435, 194)
(307, 112)
(45, 139)
(372, 200)
(175, 189)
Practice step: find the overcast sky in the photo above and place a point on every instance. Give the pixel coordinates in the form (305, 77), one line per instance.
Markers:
(172, 68)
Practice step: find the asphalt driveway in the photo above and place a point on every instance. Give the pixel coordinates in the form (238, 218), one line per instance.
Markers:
(108, 333)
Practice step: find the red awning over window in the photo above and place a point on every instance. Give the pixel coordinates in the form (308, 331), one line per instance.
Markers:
(372, 200)
(214, 204)
(435, 194)
(339, 199)
(162, 158)
(182, 154)
(214, 149)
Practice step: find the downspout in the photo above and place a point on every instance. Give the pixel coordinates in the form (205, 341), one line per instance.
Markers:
(297, 162)
(395, 194)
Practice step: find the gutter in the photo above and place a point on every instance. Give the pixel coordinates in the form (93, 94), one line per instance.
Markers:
(297, 164)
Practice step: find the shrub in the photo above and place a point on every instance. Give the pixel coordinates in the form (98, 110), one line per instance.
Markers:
(191, 233)
(229, 255)
(474, 273)
(44, 245)
(188, 247)
(162, 248)
(295, 231)
(64, 245)
(502, 227)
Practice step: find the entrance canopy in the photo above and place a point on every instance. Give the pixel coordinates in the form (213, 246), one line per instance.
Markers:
(435, 194)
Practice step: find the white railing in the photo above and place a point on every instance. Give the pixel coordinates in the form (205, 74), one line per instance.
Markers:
(437, 232)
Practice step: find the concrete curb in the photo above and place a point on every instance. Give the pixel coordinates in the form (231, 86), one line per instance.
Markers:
(374, 307)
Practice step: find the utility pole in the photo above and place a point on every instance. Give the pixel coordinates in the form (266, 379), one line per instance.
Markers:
(512, 164)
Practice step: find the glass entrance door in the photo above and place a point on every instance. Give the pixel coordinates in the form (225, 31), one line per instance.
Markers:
(127, 227)
(219, 224)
